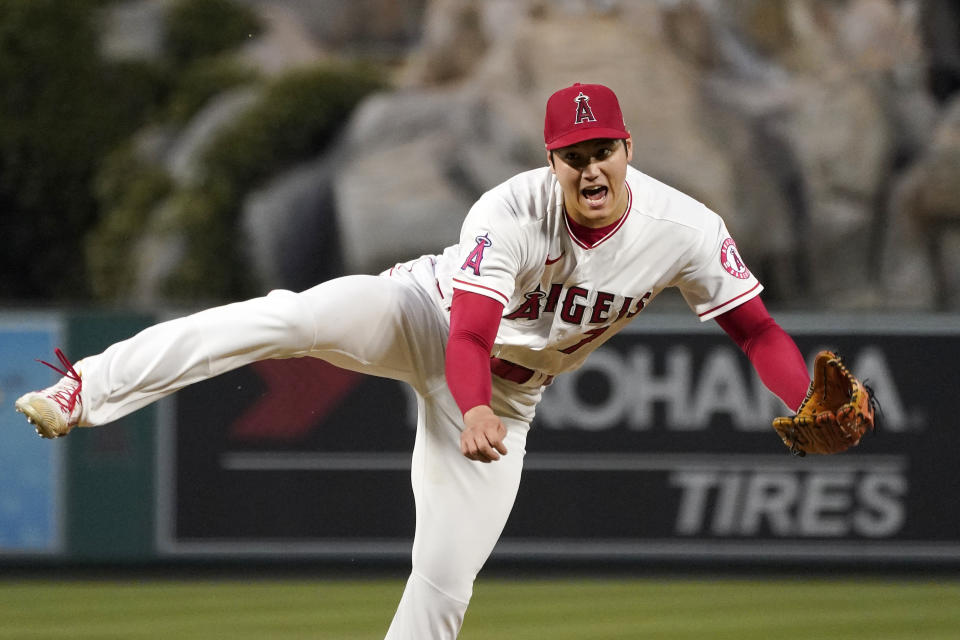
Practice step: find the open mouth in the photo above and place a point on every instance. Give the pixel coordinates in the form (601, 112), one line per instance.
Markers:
(595, 196)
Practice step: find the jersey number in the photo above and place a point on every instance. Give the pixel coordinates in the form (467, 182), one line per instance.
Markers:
(592, 335)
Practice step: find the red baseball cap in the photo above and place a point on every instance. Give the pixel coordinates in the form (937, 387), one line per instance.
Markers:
(582, 112)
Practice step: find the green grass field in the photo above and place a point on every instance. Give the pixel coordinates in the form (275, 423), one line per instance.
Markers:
(558, 609)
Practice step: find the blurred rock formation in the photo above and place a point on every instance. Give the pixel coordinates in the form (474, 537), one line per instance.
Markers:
(825, 132)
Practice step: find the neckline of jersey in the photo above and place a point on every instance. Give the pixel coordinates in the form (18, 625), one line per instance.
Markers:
(590, 237)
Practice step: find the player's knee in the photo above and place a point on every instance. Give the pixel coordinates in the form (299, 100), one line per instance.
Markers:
(450, 578)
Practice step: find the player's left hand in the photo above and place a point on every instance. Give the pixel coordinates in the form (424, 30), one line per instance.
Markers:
(483, 435)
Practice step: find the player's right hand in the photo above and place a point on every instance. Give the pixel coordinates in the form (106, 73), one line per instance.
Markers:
(483, 435)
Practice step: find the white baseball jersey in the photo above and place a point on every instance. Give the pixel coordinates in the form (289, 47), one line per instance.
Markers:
(562, 298)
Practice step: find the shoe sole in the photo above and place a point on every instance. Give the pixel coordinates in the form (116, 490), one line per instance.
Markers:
(40, 418)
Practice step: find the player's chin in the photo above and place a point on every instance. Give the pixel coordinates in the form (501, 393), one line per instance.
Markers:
(594, 213)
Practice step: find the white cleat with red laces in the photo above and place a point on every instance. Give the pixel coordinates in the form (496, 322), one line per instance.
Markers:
(54, 411)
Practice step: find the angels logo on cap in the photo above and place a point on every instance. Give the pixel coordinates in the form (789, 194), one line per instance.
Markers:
(582, 112)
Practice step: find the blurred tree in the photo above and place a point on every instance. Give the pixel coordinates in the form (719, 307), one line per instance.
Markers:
(74, 197)
(62, 107)
(295, 117)
(199, 28)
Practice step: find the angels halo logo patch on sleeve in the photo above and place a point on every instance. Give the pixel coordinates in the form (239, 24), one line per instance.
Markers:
(731, 260)
(476, 256)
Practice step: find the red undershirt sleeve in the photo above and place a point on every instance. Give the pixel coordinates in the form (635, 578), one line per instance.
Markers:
(474, 321)
(772, 352)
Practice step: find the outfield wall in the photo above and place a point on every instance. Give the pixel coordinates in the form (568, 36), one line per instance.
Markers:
(659, 449)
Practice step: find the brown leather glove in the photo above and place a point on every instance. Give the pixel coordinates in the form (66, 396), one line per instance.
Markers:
(836, 413)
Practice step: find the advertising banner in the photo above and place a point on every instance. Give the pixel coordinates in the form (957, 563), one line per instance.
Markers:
(660, 447)
(31, 497)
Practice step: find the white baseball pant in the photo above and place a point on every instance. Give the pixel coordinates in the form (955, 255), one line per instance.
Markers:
(385, 325)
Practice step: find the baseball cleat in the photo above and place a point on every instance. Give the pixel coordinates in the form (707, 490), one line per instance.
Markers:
(54, 411)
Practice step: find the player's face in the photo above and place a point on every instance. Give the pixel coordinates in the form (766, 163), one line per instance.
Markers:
(593, 177)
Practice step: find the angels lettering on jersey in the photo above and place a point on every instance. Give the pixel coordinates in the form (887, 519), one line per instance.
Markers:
(576, 304)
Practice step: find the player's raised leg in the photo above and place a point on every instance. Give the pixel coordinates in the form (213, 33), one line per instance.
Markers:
(359, 322)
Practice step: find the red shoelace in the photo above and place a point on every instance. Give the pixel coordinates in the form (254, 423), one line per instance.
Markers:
(66, 400)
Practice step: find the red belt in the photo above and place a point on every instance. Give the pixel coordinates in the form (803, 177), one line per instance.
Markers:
(513, 372)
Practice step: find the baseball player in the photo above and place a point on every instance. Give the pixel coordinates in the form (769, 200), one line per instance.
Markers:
(549, 265)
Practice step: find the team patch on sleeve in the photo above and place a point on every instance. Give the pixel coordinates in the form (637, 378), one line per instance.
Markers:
(731, 261)
(476, 256)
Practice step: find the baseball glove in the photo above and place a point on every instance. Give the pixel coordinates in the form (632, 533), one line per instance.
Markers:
(836, 413)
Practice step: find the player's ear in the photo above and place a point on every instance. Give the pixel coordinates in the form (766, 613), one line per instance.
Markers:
(628, 145)
(550, 159)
